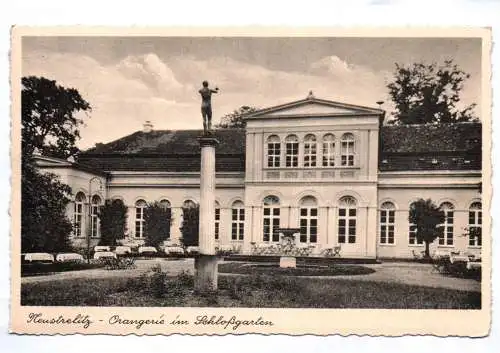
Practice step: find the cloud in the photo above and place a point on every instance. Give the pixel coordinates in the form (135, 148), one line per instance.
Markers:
(152, 72)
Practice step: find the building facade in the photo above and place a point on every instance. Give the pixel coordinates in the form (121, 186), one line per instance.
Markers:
(331, 169)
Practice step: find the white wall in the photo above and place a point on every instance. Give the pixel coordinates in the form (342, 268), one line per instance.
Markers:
(459, 188)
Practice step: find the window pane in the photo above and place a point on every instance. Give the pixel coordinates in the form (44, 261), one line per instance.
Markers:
(352, 212)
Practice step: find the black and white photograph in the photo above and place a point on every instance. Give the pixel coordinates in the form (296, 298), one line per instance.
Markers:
(256, 172)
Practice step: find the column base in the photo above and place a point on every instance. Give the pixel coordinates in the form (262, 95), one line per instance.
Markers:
(206, 273)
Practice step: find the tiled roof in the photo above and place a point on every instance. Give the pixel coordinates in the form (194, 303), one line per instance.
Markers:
(409, 147)
(430, 147)
(232, 141)
(431, 138)
(167, 150)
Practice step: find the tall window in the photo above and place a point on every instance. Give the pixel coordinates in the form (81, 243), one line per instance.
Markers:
(310, 151)
(139, 218)
(271, 218)
(78, 214)
(328, 150)
(447, 237)
(237, 221)
(94, 216)
(308, 220)
(347, 220)
(217, 220)
(165, 204)
(412, 232)
(387, 223)
(475, 224)
(273, 151)
(347, 150)
(292, 151)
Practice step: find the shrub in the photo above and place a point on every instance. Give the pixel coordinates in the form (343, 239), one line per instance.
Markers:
(158, 220)
(113, 221)
(190, 225)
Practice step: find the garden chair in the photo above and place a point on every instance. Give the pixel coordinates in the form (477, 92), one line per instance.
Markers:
(128, 262)
(418, 255)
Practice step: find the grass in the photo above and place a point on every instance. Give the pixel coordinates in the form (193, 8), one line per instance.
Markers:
(304, 270)
(156, 289)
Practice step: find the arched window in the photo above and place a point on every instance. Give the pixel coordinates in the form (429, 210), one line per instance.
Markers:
(412, 230)
(328, 150)
(310, 151)
(475, 224)
(94, 217)
(140, 206)
(308, 220)
(347, 220)
(387, 213)
(237, 221)
(347, 150)
(273, 151)
(292, 151)
(189, 204)
(217, 220)
(78, 214)
(446, 238)
(165, 204)
(271, 218)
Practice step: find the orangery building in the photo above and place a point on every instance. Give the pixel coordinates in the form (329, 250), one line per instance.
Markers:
(331, 169)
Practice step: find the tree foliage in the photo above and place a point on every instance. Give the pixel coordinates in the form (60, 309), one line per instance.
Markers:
(157, 222)
(113, 221)
(49, 125)
(48, 117)
(235, 119)
(428, 93)
(44, 225)
(190, 225)
(428, 219)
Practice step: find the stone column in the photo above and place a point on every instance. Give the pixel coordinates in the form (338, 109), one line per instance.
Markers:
(206, 262)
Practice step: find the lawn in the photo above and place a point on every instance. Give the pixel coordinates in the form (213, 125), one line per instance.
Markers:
(156, 289)
(300, 270)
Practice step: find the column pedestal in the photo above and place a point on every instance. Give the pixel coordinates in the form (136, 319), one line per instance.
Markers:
(205, 267)
(206, 262)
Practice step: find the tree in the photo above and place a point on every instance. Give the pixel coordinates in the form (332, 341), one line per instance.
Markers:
(49, 125)
(428, 93)
(113, 221)
(427, 219)
(190, 225)
(49, 121)
(235, 119)
(157, 220)
(44, 225)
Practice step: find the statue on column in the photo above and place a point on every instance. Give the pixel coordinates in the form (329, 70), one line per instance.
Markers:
(206, 106)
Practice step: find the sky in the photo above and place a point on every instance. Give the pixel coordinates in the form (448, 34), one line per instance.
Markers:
(128, 80)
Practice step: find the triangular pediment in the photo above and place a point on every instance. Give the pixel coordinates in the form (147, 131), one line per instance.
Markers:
(313, 107)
